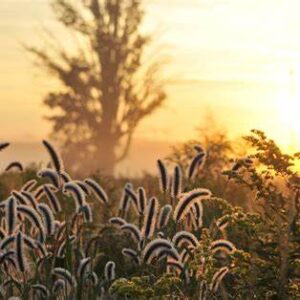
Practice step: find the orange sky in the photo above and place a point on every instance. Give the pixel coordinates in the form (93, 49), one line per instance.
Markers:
(230, 57)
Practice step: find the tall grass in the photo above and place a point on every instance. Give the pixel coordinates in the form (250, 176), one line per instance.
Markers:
(63, 238)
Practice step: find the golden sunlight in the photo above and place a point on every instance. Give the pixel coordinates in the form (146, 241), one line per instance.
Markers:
(289, 109)
(240, 65)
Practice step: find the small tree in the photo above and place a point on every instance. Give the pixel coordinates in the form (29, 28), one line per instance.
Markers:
(107, 86)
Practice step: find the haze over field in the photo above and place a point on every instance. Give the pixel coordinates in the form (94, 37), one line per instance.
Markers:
(150, 149)
(236, 59)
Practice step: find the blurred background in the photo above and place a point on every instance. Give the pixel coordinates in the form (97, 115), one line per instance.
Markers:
(230, 61)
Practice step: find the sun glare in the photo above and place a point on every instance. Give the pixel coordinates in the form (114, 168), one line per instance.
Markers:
(289, 109)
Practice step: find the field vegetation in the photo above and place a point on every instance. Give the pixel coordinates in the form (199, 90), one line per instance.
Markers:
(209, 227)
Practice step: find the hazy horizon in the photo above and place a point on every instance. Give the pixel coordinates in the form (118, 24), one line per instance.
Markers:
(142, 157)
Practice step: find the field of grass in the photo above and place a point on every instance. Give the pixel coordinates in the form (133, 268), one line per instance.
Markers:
(208, 227)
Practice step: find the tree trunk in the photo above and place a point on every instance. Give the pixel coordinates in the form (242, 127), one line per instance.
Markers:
(106, 156)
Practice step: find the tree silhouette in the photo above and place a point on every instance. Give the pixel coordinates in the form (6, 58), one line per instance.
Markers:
(107, 88)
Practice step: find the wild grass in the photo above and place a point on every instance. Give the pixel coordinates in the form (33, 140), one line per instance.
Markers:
(171, 237)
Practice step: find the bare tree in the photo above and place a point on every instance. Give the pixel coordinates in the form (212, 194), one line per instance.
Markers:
(107, 88)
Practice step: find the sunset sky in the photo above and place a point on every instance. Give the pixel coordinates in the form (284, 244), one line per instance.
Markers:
(239, 60)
